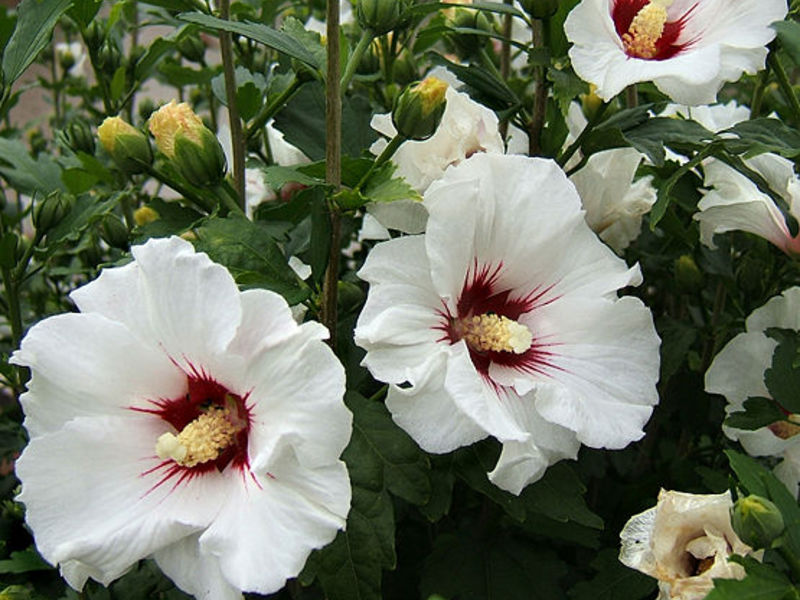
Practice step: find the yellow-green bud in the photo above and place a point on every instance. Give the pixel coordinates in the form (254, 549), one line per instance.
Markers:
(128, 146)
(194, 149)
(79, 136)
(591, 102)
(114, 232)
(688, 276)
(757, 521)
(192, 48)
(381, 16)
(419, 108)
(540, 9)
(49, 212)
(144, 215)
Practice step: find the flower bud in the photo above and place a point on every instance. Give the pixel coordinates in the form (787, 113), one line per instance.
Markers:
(540, 9)
(94, 35)
(419, 108)
(109, 58)
(114, 232)
(66, 60)
(687, 275)
(469, 44)
(192, 48)
(128, 146)
(181, 136)
(79, 136)
(756, 521)
(380, 16)
(49, 212)
(144, 215)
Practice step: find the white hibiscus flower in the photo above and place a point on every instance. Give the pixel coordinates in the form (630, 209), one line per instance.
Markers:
(503, 320)
(684, 541)
(734, 203)
(688, 48)
(177, 418)
(738, 374)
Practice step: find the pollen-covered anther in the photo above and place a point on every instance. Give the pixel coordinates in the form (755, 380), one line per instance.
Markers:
(200, 441)
(491, 332)
(646, 29)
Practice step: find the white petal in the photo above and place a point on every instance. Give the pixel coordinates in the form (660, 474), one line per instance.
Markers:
(195, 572)
(782, 311)
(90, 498)
(85, 364)
(266, 530)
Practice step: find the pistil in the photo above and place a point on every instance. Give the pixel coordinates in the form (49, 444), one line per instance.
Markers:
(646, 29)
(494, 333)
(202, 440)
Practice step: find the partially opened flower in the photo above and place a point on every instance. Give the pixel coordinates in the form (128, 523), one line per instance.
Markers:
(738, 374)
(688, 48)
(684, 541)
(503, 320)
(734, 203)
(178, 418)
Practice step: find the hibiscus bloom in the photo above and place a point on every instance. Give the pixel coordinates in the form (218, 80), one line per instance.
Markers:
(738, 374)
(688, 48)
(734, 203)
(503, 320)
(177, 418)
(684, 541)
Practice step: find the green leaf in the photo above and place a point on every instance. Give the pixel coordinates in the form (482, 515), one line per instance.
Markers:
(468, 566)
(783, 377)
(749, 472)
(117, 87)
(489, 90)
(763, 135)
(566, 86)
(677, 338)
(382, 187)
(24, 561)
(559, 496)
(173, 219)
(35, 22)
(310, 40)
(83, 11)
(25, 173)
(763, 582)
(789, 37)
(320, 242)
(248, 100)
(757, 413)
(277, 176)
(613, 581)
(252, 256)
(257, 32)
(85, 211)
(12, 437)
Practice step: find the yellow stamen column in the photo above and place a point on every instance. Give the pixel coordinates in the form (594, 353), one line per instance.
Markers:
(646, 29)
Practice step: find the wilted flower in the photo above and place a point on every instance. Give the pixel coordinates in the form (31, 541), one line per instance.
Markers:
(688, 48)
(738, 374)
(734, 203)
(181, 136)
(503, 320)
(614, 202)
(684, 541)
(178, 418)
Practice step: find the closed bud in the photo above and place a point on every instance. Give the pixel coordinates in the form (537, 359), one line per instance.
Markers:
(757, 521)
(591, 102)
(469, 44)
(194, 149)
(49, 212)
(79, 136)
(688, 276)
(109, 58)
(540, 9)
(371, 61)
(146, 108)
(114, 232)
(66, 60)
(419, 108)
(404, 69)
(192, 48)
(381, 16)
(94, 35)
(128, 146)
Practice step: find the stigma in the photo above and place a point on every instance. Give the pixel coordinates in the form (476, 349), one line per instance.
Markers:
(646, 29)
(494, 333)
(202, 440)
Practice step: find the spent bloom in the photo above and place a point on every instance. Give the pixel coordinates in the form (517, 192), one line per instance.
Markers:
(684, 541)
(503, 319)
(687, 48)
(737, 373)
(177, 418)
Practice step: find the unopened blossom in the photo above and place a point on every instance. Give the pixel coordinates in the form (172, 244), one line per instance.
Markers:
(503, 320)
(684, 541)
(737, 373)
(177, 418)
(687, 48)
(733, 202)
(614, 200)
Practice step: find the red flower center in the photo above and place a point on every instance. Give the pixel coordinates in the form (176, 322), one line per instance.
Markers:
(645, 29)
(213, 426)
(487, 318)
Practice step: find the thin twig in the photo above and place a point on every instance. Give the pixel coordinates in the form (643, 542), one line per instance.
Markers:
(237, 138)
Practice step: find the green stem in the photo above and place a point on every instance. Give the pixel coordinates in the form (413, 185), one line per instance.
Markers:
(791, 560)
(505, 59)
(228, 196)
(574, 146)
(14, 311)
(355, 58)
(187, 193)
(758, 93)
(631, 96)
(271, 108)
(540, 99)
(333, 169)
(786, 85)
(237, 138)
(387, 153)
